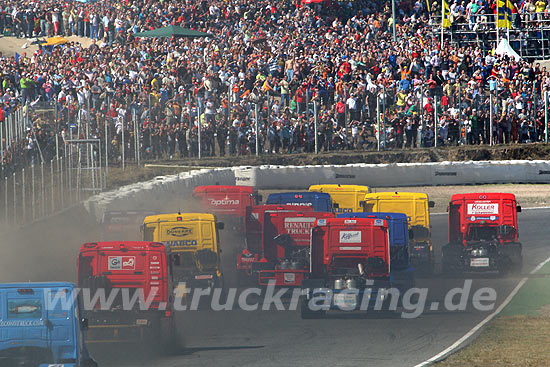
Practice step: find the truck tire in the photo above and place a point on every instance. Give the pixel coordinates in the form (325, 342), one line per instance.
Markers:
(306, 313)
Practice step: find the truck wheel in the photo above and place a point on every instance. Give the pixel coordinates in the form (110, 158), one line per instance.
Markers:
(307, 313)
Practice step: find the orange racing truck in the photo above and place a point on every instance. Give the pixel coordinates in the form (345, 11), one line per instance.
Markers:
(227, 202)
(349, 266)
(285, 251)
(128, 270)
(254, 229)
(483, 234)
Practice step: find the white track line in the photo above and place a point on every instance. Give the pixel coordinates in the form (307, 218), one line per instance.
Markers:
(483, 322)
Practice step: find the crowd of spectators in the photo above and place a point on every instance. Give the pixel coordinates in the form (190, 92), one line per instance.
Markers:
(283, 65)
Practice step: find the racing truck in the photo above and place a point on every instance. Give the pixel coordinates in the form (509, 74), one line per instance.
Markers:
(125, 270)
(285, 250)
(348, 197)
(483, 234)
(349, 266)
(194, 242)
(416, 207)
(228, 203)
(319, 201)
(254, 236)
(125, 224)
(399, 234)
(42, 325)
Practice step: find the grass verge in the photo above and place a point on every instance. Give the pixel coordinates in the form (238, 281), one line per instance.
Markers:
(519, 336)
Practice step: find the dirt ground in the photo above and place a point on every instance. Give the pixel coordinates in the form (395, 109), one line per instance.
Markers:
(452, 154)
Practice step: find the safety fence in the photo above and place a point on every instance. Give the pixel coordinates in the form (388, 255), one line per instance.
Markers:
(528, 35)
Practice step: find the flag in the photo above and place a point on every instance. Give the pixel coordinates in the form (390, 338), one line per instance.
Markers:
(17, 57)
(421, 41)
(446, 15)
(428, 6)
(504, 13)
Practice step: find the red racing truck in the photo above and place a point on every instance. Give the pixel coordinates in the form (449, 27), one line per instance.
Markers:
(349, 266)
(483, 234)
(254, 235)
(227, 202)
(285, 250)
(129, 270)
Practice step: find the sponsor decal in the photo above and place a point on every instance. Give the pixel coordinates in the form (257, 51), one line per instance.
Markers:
(22, 323)
(379, 222)
(238, 178)
(178, 231)
(344, 210)
(350, 248)
(439, 173)
(473, 218)
(482, 208)
(122, 262)
(340, 175)
(321, 222)
(299, 226)
(350, 236)
(224, 202)
(255, 215)
(300, 204)
(181, 243)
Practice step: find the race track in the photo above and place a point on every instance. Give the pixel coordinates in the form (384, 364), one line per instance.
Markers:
(48, 250)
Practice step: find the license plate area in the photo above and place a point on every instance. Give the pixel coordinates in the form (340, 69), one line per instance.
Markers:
(479, 262)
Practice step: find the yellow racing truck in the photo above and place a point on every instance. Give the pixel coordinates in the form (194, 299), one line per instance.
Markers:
(194, 242)
(416, 207)
(348, 197)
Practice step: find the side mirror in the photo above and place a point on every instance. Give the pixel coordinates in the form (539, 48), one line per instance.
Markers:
(447, 209)
(84, 325)
(259, 198)
(518, 208)
(335, 205)
(362, 204)
(220, 225)
(431, 204)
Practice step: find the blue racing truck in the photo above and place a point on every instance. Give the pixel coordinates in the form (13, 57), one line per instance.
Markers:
(41, 326)
(319, 201)
(401, 272)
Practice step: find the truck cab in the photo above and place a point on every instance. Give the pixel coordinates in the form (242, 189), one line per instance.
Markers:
(348, 197)
(194, 243)
(416, 207)
(42, 325)
(117, 224)
(227, 202)
(140, 269)
(285, 252)
(483, 233)
(319, 201)
(254, 235)
(349, 265)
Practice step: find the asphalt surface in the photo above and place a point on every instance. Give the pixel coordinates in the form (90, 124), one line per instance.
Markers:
(48, 250)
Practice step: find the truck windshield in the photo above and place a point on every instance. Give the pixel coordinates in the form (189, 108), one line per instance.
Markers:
(481, 233)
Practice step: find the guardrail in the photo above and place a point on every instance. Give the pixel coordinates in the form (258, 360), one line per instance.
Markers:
(177, 188)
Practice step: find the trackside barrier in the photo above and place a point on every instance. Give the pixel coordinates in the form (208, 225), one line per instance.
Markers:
(141, 195)
(397, 174)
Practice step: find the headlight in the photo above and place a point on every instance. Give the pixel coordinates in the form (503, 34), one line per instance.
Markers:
(479, 252)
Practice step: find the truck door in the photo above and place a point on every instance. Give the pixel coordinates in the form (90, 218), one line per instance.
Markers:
(27, 319)
(455, 234)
